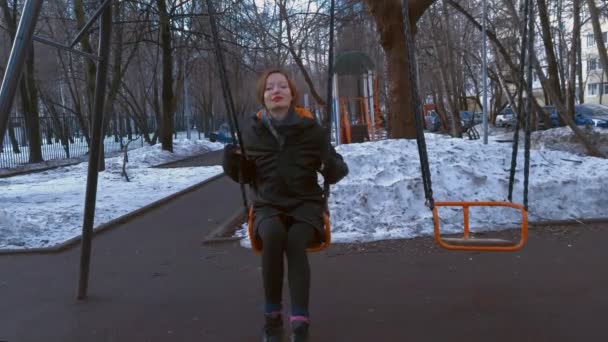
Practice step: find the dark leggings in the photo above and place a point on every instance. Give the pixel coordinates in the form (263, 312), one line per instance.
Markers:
(284, 235)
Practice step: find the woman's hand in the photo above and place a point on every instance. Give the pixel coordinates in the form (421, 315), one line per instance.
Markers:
(333, 168)
(238, 168)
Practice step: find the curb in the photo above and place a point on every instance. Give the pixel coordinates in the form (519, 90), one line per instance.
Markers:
(167, 164)
(110, 224)
(223, 231)
(18, 172)
(570, 222)
(178, 161)
(219, 235)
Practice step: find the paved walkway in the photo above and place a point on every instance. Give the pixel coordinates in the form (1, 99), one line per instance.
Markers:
(153, 280)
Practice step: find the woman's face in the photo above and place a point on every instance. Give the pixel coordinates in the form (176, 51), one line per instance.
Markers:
(277, 95)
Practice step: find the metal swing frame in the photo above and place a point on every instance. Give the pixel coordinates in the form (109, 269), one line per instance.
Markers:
(467, 243)
(24, 36)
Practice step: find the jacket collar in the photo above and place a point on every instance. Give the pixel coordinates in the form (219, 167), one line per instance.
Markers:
(301, 117)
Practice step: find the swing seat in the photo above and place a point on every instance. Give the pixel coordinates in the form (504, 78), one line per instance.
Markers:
(256, 244)
(467, 243)
(478, 242)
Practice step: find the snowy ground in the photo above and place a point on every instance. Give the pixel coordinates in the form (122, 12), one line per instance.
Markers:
(382, 197)
(44, 209)
(54, 154)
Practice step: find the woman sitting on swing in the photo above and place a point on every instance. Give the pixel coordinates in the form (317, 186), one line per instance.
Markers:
(285, 147)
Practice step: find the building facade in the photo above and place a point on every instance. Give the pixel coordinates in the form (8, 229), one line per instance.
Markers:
(594, 77)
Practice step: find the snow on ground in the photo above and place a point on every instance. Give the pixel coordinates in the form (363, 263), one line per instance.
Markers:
(44, 209)
(381, 198)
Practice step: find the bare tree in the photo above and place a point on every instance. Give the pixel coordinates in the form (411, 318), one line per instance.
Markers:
(389, 22)
(547, 37)
(576, 5)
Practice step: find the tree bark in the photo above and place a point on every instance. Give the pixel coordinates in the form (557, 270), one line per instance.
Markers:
(473, 78)
(450, 75)
(166, 135)
(576, 8)
(387, 15)
(552, 68)
(579, 68)
(29, 100)
(90, 67)
(455, 128)
(561, 45)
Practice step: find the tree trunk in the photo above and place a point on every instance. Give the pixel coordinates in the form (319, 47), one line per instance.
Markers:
(561, 45)
(58, 126)
(29, 99)
(72, 85)
(576, 7)
(441, 111)
(601, 88)
(90, 67)
(579, 68)
(387, 15)
(12, 137)
(475, 84)
(117, 74)
(166, 134)
(455, 128)
(449, 76)
(552, 67)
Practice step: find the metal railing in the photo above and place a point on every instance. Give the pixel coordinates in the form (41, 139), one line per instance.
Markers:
(62, 137)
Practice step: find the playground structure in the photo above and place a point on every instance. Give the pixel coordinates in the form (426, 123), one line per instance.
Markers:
(492, 285)
(350, 127)
(361, 117)
(358, 114)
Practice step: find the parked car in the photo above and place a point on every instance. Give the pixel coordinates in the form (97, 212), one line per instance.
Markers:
(505, 118)
(587, 114)
(468, 119)
(222, 135)
(591, 114)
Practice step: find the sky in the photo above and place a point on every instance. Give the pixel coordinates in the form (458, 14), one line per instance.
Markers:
(381, 198)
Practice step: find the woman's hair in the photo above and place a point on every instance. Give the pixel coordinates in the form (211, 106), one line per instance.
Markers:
(261, 85)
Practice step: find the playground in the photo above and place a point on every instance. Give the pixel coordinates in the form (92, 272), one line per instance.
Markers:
(153, 279)
(428, 235)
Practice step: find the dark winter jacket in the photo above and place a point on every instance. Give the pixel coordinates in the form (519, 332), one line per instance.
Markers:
(282, 169)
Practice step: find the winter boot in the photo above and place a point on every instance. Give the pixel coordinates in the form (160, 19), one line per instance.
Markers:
(273, 327)
(299, 329)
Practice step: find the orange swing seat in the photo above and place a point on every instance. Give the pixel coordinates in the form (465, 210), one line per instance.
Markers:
(256, 245)
(467, 243)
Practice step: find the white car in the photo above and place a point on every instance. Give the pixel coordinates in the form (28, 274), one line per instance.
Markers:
(505, 120)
